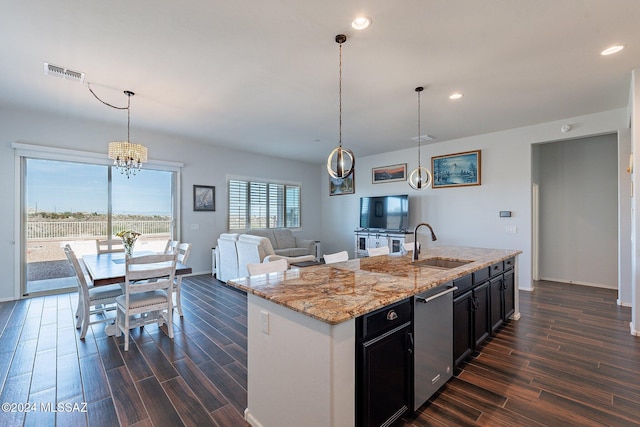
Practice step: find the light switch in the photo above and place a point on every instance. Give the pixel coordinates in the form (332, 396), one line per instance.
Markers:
(264, 322)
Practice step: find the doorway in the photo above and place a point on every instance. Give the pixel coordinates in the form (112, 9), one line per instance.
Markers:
(66, 202)
(577, 210)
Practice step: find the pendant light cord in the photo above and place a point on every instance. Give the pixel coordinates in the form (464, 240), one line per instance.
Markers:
(419, 138)
(340, 100)
(106, 103)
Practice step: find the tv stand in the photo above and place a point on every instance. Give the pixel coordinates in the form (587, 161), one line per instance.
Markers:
(375, 238)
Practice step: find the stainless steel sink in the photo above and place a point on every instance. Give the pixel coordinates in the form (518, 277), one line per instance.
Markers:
(442, 263)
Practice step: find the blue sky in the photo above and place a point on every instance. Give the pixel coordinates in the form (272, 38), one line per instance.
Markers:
(75, 187)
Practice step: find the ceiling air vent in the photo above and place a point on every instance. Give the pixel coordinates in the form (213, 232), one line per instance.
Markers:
(423, 138)
(65, 73)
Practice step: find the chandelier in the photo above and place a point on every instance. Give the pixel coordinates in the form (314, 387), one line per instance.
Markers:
(344, 158)
(420, 178)
(127, 157)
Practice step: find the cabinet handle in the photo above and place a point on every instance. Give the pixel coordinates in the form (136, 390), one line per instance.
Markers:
(410, 342)
(392, 315)
(475, 302)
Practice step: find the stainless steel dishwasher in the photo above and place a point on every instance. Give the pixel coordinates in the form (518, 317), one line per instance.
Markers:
(433, 342)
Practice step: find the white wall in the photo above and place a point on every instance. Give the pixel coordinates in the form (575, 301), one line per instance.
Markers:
(466, 215)
(624, 218)
(579, 211)
(204, 164)
(634, 114)
(460, 216)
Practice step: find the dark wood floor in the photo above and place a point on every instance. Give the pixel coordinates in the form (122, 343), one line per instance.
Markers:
(570, 360)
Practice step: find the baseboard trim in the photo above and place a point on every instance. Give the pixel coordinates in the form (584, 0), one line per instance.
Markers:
(633, 331)
(577, 282)
(251, 419)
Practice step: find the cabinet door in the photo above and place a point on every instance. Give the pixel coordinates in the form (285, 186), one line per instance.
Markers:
(385, 382)
(395, 244)
(497, 304)
(481, 326)
(508, 295)
(462, 332)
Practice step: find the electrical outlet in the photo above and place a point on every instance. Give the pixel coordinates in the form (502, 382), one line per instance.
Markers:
(511, 229)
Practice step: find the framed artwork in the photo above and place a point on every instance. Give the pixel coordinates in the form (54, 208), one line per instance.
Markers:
(456, 170)
(204, 198)
(340, 186)
(389, 173)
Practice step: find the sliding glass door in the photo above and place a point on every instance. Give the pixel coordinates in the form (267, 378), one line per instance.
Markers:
(77, 203)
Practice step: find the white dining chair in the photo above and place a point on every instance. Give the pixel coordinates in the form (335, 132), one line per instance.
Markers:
(182, 250)
(92, 300)
(267, 267)
(408, 247)
(109, 246)
(336, 257)
(147, 294)
(171, 246)
(382, 250)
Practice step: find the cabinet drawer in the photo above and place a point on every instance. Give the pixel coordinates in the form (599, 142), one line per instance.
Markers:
(509, 264)
(496, 269)
(481, 276)
(463, 283)
(382, 320)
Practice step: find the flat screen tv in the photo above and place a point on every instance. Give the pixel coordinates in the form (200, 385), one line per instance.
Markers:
(385, 212)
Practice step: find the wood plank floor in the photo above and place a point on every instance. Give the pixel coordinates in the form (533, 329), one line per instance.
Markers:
(569, 360)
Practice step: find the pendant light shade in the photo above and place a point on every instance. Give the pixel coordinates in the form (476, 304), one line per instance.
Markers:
(128, 157)
(341, 161)
(420, 178)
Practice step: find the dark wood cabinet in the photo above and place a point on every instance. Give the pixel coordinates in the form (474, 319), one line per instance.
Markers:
(462, 327)
(497, 303)
(481, 312)
(508, 288)
(383, 365)
(481, 307)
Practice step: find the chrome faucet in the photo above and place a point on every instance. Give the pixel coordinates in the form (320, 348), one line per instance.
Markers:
(415, 238)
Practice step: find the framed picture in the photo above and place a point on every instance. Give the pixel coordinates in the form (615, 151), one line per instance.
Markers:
(389, 173)
(456, 170)
(340, 186)
(204, 198)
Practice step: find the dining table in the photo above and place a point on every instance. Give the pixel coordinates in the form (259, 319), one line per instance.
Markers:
(109, 268)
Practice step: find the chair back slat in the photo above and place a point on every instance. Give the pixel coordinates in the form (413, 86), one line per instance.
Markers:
(336, 257)
(159, 267)
(109, 246)
(267, 267)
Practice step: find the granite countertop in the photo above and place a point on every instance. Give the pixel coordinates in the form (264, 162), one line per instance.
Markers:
(335, 293)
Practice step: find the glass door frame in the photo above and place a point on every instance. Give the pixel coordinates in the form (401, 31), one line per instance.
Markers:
(24, 151)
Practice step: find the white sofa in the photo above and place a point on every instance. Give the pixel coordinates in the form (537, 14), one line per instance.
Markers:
(227, 257)
(235, 251)
(285, 243)
(255, 249)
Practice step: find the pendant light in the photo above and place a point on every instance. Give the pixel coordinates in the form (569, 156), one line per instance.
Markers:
(344, 158)
(420, 178)
(127, 157)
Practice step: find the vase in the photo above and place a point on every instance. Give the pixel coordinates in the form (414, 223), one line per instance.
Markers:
(128, 247)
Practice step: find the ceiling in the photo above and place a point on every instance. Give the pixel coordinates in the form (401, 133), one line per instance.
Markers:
(262, 75)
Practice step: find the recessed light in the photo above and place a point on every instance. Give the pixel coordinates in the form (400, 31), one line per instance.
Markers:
(361, 23)
(455, 95)
(611, 50)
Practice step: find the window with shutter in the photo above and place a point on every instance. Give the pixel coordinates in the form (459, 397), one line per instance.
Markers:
(255, 204)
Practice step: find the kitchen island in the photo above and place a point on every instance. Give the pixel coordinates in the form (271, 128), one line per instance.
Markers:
(301, 328)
